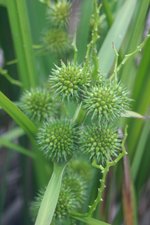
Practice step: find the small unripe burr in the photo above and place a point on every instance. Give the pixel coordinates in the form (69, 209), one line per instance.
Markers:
(100, 143)
(57, 139)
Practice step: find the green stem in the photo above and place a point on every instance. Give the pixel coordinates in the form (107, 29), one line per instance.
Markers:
(104, 171)
(138, 49)
(9, 78)
(100, 190)
(92, 45)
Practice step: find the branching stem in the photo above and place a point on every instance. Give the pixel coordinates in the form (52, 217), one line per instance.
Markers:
(104, 171)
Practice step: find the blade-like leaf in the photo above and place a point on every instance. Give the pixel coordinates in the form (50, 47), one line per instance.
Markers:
(49, 202)
(19, 23)
(17, 115)
(129, 204)
(131, 114)
(2, 2)
(116, 35)
(13, 134)
(88, 220)
(84, 28)
(139, 152)
(6, 143)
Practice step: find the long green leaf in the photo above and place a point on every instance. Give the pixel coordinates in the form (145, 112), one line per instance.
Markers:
(18, 116)
(139, 152)
(49, 202)
(19, 23)
(84, 28)
(134, 37)
(2, 2)
(13, 133)
(88, 220)
(28, 126)
(129, 203)
(116, 35)
(6, 143)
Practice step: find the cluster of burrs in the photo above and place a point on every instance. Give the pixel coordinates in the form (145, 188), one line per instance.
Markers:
(55, 36)
(99, 103)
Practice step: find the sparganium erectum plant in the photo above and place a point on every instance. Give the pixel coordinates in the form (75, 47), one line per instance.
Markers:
(72, 104)
(89, 132)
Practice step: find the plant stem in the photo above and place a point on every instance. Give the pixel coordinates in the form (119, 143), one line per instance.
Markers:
(104, 171)
(100, 190)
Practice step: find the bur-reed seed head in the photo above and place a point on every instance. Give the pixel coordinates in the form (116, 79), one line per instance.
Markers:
(57, 139)
(72, 195)
(69, 80)
(37, 104)
(56, 41)
(100, 143)
(59, 13)
(78, 188)
(106, 102)
(65, 203)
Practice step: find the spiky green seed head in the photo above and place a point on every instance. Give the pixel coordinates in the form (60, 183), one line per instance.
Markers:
(72, 195)
(35, 204)
(59, 13)
(100, 143)
(78, 188)
(107, 101)
(69, 80)
(57, 139)
(81, 167)
(65, 203)
(56, 41)
(37, 104)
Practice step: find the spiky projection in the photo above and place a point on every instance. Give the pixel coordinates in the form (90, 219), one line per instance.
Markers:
(56, 41)
(57, 139)
(100, 143)
(59, 13)
(107, 101)
(69, 80)
(37, 104)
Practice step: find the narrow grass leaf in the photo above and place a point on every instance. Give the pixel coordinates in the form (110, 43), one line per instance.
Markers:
(129, 205)
(8, 144)
(2, 2)
(140, 150)
(17, 115)
(13, 133)
(49, 202)
(84, 28)
(18, 18)
(89, 220)
(116, 35)
(131, 114)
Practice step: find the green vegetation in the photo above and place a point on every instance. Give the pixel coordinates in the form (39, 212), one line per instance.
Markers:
(75, 84)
